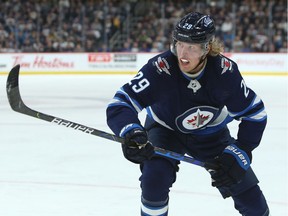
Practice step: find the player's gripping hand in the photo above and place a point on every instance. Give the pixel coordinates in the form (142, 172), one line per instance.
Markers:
(136, 147)
(232, 165)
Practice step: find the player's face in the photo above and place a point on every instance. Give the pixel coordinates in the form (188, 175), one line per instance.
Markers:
(188, 55)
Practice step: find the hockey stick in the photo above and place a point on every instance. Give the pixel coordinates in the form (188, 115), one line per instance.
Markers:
(17, 104)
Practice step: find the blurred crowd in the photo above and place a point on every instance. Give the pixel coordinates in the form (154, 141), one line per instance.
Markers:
(136, 26)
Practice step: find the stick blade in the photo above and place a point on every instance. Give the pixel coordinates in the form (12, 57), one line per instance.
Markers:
(13, 77)
(12, 89)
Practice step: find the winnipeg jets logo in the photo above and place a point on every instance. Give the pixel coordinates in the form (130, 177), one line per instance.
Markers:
(196, 118)
(162, 65)
(226, 65)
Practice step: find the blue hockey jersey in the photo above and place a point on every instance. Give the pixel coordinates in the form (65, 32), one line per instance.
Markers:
(200, 105)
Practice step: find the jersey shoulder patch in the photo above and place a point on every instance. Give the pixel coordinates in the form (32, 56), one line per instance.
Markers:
(163, 63)
(224, 65)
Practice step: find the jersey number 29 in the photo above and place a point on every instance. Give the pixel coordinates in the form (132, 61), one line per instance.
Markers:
(141, 84)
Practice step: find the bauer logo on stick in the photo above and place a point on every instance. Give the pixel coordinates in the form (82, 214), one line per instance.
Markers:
(72, 125)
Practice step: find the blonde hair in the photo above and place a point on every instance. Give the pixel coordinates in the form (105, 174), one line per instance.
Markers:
(216, 47)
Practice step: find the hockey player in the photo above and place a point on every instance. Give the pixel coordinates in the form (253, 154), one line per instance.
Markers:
(191, 93)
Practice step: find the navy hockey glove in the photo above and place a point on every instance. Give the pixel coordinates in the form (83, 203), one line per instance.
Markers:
(136, 147)
(233, 164)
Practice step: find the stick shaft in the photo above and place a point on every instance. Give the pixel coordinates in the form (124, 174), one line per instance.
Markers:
(17, 104)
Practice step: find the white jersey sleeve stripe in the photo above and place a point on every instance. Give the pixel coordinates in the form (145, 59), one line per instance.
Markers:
(154, 116)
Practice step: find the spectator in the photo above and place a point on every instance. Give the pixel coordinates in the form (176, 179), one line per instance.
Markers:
(48, 24)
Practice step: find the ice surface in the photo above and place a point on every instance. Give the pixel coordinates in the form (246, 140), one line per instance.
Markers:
(48, 170)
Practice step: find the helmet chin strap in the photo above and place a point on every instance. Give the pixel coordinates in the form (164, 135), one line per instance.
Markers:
(202, 59)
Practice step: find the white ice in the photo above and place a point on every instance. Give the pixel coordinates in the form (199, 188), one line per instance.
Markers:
(50, 170)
